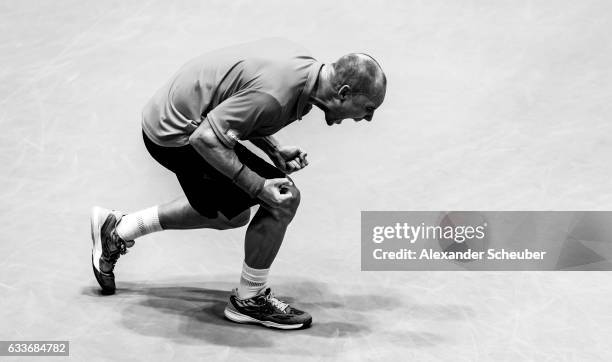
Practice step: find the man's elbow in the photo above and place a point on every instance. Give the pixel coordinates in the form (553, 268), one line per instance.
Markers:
(195, 139)
(203, 137)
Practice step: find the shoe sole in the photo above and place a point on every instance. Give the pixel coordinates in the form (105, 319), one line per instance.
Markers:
(96, 250)
(235, 316)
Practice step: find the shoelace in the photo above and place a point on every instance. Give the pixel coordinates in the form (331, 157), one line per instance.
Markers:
(122, 247)
(122, 244)
(277, 303)
(121, 251)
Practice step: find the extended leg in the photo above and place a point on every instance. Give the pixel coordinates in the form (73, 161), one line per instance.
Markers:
(179, 214)
(112, 233)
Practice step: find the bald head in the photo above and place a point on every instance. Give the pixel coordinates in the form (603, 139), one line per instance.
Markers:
(353, 87)
(362, 73)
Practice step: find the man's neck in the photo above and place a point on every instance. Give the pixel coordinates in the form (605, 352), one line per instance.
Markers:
(323, 87)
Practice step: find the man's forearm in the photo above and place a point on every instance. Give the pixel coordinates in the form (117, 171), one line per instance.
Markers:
(267, 144)
(225, 160)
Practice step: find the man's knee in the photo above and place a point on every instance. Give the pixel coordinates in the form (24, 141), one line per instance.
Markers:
(288, 208)
(294, 201)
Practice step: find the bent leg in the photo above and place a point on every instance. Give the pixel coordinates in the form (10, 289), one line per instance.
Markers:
(180, 215)
(266, 231)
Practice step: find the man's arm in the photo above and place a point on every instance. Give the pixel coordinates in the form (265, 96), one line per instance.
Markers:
(225, 160)
(288, 159)
(267, 144)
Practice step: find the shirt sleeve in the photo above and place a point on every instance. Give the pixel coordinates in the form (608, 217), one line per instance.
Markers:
(235, 118)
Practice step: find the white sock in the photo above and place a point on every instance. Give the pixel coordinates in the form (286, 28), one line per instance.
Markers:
(139, 223)
(252, 281)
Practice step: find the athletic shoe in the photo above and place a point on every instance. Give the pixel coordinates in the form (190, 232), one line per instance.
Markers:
(107, 246)
(267, 310)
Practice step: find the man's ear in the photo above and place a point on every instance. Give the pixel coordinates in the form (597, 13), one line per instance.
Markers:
(344, 91)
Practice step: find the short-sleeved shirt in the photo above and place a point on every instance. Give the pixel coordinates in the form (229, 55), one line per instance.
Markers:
(246, 91)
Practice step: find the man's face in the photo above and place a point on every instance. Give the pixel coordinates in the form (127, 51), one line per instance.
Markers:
(356, 106)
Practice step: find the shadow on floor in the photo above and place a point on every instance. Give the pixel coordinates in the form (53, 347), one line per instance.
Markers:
(192, 313)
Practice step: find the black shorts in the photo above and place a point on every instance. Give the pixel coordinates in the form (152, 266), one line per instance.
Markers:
(208, 190)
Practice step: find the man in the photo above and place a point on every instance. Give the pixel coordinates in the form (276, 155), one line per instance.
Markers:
(192, 127)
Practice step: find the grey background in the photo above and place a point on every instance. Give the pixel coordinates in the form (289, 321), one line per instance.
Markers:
(491, 105)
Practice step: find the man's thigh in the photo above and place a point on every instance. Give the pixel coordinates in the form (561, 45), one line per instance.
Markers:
(209, 196)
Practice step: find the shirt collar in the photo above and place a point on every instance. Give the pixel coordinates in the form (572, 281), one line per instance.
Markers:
(308, 88)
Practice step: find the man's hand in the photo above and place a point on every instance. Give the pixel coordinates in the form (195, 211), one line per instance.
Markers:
(274, 191)
(289, 159)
